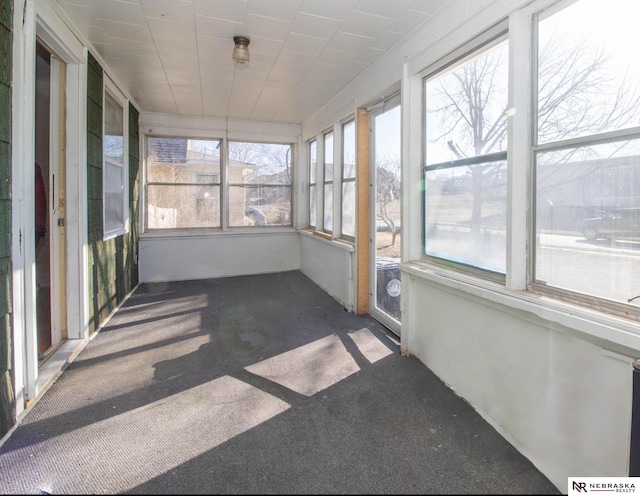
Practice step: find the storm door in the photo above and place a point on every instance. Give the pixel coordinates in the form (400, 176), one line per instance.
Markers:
(386, 224)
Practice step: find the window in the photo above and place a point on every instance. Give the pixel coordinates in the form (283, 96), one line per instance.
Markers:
(465, 159)
(313, 187)
(586, 154)
(259, 179)
(328, 183)
(183, 183)
(349, 180)
(115, 165)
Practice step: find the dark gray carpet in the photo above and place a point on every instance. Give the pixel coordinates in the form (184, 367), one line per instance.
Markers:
(257, 384)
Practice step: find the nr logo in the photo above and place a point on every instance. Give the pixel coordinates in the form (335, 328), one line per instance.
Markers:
(580, 486)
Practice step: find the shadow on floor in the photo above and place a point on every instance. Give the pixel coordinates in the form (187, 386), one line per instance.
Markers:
(256, 384)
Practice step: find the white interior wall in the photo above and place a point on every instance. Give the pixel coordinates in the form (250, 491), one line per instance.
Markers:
(186, 257)
(562, 401)
(330, 264)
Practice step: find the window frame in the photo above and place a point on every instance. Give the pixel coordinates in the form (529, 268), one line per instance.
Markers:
(223, 184)
(328, 183)
(313, 182)
(536, 147)
(477, 45)
(518, 284)
(110, 90)
(194, 183)
(344, 180)
(228, 184)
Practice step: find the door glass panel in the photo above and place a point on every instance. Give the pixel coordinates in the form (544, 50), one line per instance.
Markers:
(387, 232)
(49, 192)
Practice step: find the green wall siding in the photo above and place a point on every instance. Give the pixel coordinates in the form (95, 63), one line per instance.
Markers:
(113, 264)
(7, 406)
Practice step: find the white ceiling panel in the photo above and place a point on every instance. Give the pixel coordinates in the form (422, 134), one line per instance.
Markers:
(167, 47)
(386, 40)
(82, 14)
(407, 22)
(169, 30)
(218, 28)
(335, 57)
(217, 96)
(144, 48)
(96, 34)
(228, 10)
(266, 27)
(217, 75)
(349, 42)
(308, 45)
(369, 55)
(175, 55)
(334, 9)
(364, 24)
(426, 6)
(263, 46)
(115, 10)
(285, 9)
(385, 8)
(169, 10)
(313, 25)
(126, 31)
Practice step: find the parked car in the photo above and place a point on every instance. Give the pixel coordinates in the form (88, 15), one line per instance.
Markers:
(257, 216)
(621, 223)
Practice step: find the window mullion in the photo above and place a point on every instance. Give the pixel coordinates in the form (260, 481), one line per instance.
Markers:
(518, 150)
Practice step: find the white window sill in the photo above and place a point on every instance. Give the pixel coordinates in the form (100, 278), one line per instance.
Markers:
(611, 333)
(326, 238)
(217, 233)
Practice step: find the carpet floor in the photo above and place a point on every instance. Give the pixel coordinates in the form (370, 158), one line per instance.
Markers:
(254, 385)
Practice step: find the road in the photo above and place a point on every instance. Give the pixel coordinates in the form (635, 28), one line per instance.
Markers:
(610, 269)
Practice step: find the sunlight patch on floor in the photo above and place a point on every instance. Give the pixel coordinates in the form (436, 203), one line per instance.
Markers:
(310, 368)
(150, 440)
(369, 345)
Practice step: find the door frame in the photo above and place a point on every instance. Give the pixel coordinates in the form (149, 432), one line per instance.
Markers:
(388, 321)
(40, 19)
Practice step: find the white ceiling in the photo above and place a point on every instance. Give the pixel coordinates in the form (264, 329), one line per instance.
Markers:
(174, 56)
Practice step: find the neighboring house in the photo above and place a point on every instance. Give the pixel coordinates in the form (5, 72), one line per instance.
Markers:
(198, 203)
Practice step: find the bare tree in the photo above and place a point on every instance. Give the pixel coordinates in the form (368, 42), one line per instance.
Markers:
(578, 95)
(387, 192)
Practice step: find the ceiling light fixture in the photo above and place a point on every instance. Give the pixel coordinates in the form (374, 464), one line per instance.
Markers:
(241, 50)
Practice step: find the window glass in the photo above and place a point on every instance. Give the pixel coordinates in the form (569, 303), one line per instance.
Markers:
(587, 201)
(313, 194)
(114, 172)
(313, 161)
(328, 207)
(588, 219)
(349, 151)
(259, 178)
(465, 156)
(328, 157)
(328, 183)
(587, 71)
(349, 209)
(313, 171)
(349, 180)
(183, 183)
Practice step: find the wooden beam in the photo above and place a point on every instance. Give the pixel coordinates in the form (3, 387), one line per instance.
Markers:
(363, 215)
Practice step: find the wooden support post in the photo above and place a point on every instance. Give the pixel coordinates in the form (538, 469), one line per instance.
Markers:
(363, 215)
